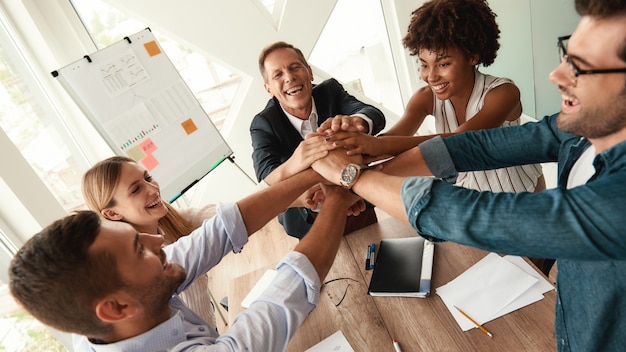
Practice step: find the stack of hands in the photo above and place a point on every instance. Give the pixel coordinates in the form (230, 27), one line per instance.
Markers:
(338, 142)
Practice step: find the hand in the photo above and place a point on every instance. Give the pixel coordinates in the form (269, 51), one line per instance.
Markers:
(357, 208)
(314, 197)
(356, 143)
(352, 201)
(313, 147)
(331, 166)
(344, 123)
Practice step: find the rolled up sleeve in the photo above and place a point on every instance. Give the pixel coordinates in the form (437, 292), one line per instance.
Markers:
(416, 193)
(438, 159)
(280, 310)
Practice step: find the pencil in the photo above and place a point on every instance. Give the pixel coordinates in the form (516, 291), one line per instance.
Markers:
(480, 327)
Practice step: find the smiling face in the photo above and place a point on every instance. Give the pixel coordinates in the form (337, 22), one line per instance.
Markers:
(594, 105)
(449, 74)
(290, 81)
(136, 199)
(148, 277)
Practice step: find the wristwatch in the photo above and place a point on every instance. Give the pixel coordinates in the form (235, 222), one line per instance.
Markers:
(350, 174)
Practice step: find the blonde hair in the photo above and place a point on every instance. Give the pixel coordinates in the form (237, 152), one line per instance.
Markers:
(98, 187)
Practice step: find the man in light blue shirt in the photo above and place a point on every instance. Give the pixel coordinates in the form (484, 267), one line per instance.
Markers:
(103, 280)
(581, 222)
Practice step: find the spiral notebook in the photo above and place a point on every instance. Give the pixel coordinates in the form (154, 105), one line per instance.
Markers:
(403, 268)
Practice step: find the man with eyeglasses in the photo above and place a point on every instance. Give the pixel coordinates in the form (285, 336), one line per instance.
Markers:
(581, 222)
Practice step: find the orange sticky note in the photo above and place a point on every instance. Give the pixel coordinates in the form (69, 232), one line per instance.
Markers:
(152, 48)
(189, 126)
(150, 162)
(148, 146)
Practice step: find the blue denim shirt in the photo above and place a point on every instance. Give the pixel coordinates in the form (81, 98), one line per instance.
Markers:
(583, 227)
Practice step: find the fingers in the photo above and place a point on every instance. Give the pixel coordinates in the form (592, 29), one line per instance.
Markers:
(325, 126)
(344, 123)
(314, 197)
(314, 134)
(317, 142)
(355, 205)
(357, 208)
(313, 148)
(342, 139)
(353, 142)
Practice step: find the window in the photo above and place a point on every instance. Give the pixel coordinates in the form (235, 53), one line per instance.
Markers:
(33, 124)
(354, 48)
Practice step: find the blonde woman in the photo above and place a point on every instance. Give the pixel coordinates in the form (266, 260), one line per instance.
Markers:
(121, 190)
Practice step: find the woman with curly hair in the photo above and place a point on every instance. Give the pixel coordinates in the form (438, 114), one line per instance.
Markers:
(450, 39)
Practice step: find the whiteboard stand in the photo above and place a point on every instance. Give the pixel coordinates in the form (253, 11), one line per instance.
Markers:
(141, 106)
(231, 158)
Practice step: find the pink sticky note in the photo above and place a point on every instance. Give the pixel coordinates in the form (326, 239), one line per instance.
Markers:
(150, 162)
(148, 146)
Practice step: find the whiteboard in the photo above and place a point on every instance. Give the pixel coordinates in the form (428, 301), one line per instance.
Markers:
(136, 99)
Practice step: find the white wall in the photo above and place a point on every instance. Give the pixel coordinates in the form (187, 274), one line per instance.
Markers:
(550, 19)
(528, 51)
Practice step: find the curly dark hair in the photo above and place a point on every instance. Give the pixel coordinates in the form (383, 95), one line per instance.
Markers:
(469, 25)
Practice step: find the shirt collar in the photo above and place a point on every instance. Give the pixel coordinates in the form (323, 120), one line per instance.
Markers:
(173, 333)
(611, 159)
(297, 123)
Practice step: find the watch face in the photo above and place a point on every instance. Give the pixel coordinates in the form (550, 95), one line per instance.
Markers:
(349, 174)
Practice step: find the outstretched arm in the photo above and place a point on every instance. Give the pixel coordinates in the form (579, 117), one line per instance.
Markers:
(320, 245)
(282, 308)
(378, 188)
(259, 208)
(409, 163)
(501, 104)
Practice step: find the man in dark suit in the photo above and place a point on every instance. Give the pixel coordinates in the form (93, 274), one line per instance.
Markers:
(296, 110)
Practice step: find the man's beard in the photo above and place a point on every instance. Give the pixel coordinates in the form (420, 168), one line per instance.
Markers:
(597, 122)
(156, 295)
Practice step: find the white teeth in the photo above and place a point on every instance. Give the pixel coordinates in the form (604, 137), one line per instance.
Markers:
(569, 100)
(293, 90)
(151, 205)
(440, 86)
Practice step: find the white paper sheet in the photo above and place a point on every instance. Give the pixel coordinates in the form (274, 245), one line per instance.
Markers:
(490, 288)
(335, 342)
(542, 286)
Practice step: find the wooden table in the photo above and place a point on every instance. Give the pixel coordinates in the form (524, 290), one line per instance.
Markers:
(419, 324)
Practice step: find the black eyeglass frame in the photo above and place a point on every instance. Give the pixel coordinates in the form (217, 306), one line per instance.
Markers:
(345, 292)
(577, 70)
